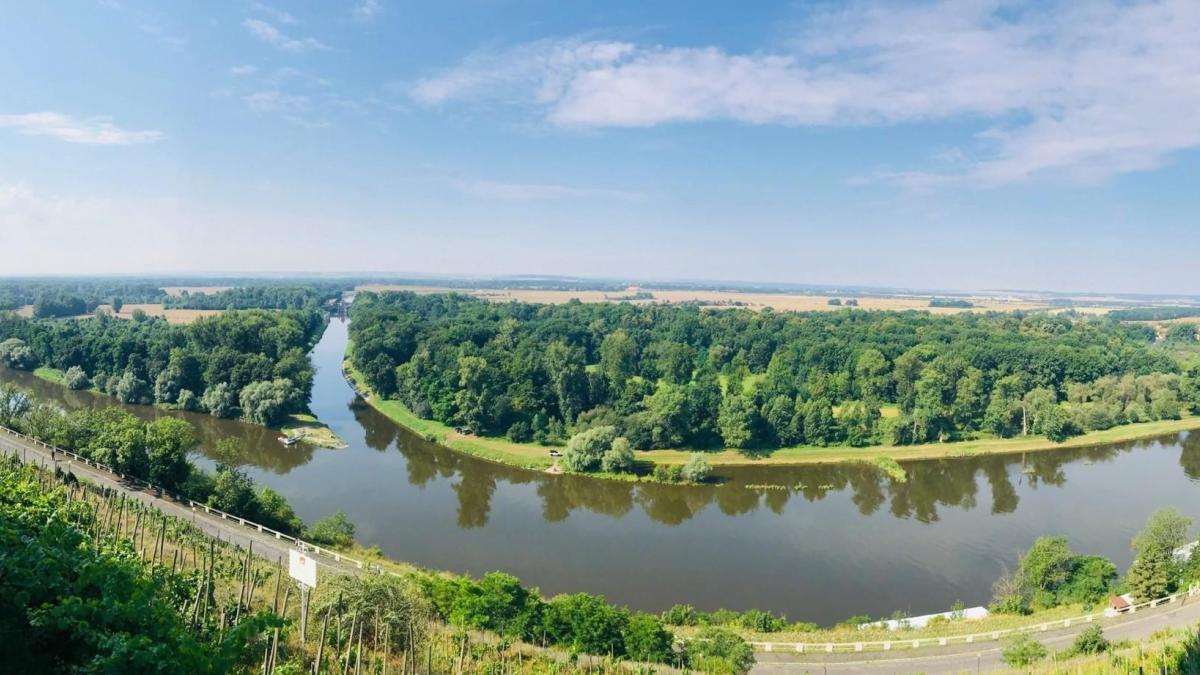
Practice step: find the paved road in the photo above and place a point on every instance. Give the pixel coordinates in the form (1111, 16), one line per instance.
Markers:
(265, 544)
(965, 659)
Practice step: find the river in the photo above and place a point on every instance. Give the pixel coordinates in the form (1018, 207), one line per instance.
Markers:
(835, 542)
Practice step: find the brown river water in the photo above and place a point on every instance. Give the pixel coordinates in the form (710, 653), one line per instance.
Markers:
(834, 542)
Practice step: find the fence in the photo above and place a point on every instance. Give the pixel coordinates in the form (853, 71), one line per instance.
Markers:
(917, 643)
(195, 506)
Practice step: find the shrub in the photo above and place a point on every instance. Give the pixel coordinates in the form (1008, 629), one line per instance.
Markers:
(646, 639)
(717, 650)
(697, 469)
(520, 432)
(75, 378)
(618, 458)
(1022, 651)
(680, 615)
(667, 473)
(336, 530)
(761, 622)
(1090, 641)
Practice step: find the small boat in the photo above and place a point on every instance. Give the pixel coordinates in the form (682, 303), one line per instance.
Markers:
(289, 441)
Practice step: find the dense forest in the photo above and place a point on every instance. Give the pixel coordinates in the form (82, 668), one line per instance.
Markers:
(670, 377)
(251, 363)
(273, 296)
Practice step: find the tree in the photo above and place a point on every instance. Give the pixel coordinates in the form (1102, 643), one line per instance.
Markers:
(219, 400)
(697, 468)
(820, 427)
(618, 357)
(1044, 569)
(132, 389)
(169, 440)
(335, 530)
(646, 640)
(233, 492)
(586, 448)
(75, 378)
(586, 623)
(14, 353)
(736, 421)
(1166, 529)
(618, 458)
(266, 403)
(14, 404)
(873, 376)
(117, 304)
(1149, 577)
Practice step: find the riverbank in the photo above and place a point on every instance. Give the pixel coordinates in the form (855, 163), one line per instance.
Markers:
(532, 456)
(311, 430)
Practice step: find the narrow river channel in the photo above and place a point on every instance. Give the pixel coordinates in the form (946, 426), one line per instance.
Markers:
(823, 544)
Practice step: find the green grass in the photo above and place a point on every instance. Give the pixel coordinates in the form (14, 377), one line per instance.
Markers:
(50, 374)
(315, 432)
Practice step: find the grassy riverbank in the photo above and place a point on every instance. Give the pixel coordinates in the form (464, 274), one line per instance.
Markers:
(533, 456)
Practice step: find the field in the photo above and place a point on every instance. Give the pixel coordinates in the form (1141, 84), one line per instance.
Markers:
(778, 301)
(176, 291)
(173, 316)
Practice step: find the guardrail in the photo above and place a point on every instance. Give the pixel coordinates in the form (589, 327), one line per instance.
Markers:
(195, 505)
(917, 643)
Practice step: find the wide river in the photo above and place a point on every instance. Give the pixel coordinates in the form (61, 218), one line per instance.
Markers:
(829, 543)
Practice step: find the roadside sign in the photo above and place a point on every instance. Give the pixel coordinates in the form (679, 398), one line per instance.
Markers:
(302, 568)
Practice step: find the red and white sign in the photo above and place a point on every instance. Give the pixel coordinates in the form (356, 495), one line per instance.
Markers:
(303, 568)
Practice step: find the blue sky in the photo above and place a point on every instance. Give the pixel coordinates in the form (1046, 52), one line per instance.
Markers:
(972, 144)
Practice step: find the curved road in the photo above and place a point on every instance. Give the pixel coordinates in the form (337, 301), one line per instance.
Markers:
(265, 544)
(970, 658)
(957, 659)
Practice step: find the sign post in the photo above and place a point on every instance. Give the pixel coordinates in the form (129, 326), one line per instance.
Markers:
(303, 569)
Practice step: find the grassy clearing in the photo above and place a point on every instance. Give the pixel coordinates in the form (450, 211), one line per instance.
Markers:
(312, 431)
(50, 374)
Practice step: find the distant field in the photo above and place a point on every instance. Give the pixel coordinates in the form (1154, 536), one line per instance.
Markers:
(779, 301)
(174, 316)
(176, 291)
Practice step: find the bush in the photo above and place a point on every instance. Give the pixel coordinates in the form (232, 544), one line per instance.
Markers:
(1022, 651)
(618, 458)
(586, 448)
(1090, 641)
(647, 640)
(717, 650)
(680, 615)
(520, 432)
(586, 623)
(761, 622)
(336, 530)
(667, 474)
(75, 378)
(697, 469)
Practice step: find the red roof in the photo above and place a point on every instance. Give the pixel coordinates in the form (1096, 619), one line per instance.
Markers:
(1118, 602)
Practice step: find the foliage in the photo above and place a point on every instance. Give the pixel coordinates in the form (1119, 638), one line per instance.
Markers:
(586, 449)
(76, 378)
(334, 530)
(1022, 651)
(152, 361)
(263, 296)
(1090, 641)
(717, 650)
(1050, 574)
(69, 604)
(679, 377)
(697, 468)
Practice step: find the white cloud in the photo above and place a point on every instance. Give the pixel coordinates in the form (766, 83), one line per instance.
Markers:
(271, 101)
(243, 70)
(368, 10)
(539, 191)
(276, 38)
(278, 15)
(1083, 89)
(93, 131)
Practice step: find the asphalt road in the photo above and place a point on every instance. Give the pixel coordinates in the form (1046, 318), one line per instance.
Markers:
(964, 659)
(265, 544)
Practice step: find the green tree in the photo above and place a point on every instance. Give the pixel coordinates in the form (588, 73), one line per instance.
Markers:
(618, 357)
(586, 623)
(1090, 641)
(1166, 529)
(697, 468)
(736, 421)
(717, 650)
(266, 403)
(1045, 568)
(586, 448)
(646, 640)
(169, 440)
(618, 458)
(76, 378)
(334, 530)
(220, 400)
(1149, 577)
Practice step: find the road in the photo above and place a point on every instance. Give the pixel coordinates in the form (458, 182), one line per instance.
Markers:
(971, 659)
(265, 544)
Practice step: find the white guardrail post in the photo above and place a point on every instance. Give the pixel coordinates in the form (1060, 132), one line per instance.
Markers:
(207, 509)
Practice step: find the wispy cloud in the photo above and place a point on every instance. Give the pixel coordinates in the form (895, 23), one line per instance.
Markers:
(278, 15)
(243, 70)
(1088, 90)
(367, 10)
(92, 131)
(539, 191)
(276, 38)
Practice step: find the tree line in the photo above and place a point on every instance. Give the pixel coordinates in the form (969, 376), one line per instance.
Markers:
(265, 296)
(678, 376)
(250, 363)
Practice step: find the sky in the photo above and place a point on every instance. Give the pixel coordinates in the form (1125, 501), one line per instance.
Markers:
(968, 144)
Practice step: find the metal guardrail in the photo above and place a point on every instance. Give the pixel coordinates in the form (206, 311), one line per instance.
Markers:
(195, 505)
(917, 643)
